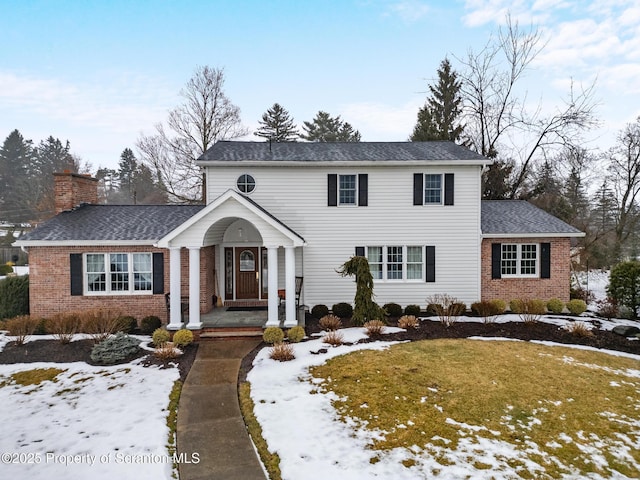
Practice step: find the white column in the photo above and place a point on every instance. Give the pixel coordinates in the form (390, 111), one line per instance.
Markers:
(272, 285)
(175, 320)
(194, 289)
(291, 317)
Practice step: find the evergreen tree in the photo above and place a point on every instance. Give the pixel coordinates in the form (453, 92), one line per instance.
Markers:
(325, 128)
(438, 118)
(51, 156)
(277, 126)
(495, 180)
(16, 188)
(128, 167)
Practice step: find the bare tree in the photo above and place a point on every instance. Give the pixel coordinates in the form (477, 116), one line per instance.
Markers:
(624, 169)
(497, 120)
(205, 117)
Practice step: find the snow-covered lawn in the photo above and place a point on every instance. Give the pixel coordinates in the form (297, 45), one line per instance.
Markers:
(300, 423)
(86, 423)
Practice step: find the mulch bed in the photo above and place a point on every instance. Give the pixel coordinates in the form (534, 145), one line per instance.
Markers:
(80, 351)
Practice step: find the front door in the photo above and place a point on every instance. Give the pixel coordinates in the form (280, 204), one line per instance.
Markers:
(247, 272)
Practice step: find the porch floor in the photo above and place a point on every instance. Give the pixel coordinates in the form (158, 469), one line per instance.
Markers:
(223, 318)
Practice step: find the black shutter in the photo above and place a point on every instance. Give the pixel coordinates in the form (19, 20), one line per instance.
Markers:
(418, 189)
(158, 272)
(545, 260)
(359, 251)
(363, 190)
(448, 188)
(496, 260)
(75, 264)
(332, 200)
(431, 264)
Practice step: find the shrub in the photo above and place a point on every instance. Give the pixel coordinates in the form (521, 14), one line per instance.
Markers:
(516, 306)
(273, 335)
(433, 309)
(282, 352)
(408, 321)
(149, 324)
(624, 285)
(319, 311)
(576, 306)
(14, 296)
(447, 308)
(63, 326)
(485, 309)
(296, 334)
(127, 324)
(608, 308)
(99, 323)
(392, 309)
(555, 305)
(21, 327)
(115, 349)
(530, 310)
(579, 329)
(333, 338)
(5, 269)
(342, 310)
(374, 327)
(499, 305)
(167, 351)
(160, 336)
(182, 338)
(412, 310)
(330, 323)
(365, 308)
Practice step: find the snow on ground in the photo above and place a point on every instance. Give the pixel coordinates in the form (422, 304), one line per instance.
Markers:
(301, 425)
(91, 422)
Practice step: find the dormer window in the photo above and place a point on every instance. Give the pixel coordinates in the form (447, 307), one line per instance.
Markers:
(246, 183)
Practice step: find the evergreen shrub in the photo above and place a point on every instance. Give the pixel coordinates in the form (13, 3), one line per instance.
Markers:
(296, 334)
(160, 336)
(115, 349)
(149, 324)
(14, 296)
(577, 306)
(182, 338)
(412, 310)
(319, 311)
(342, 310)
(273, 335)
(392, 309)
(555, 305)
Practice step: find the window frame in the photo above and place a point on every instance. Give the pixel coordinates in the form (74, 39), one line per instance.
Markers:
(132, 277)
(440, 190)
(246, 183)
(519, 260)
(341, 189)
(404, 263)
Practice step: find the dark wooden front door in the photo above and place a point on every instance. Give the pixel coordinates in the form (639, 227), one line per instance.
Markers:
(247, 268)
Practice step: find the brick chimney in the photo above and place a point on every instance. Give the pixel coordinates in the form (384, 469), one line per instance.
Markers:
(73, 189)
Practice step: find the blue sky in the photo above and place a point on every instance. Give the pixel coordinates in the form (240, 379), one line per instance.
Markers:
(100, 73)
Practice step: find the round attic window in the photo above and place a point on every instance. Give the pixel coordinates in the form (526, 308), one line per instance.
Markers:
(246, 183)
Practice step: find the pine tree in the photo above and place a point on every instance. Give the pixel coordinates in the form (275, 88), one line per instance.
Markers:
(325, 128)
(438, 118)
(277, 126)
(128, 166)
(17, 192)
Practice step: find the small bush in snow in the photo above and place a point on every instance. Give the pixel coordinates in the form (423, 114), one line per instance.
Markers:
(63, 326)
(273, 335)
(282, 352)
(608, 308)
(160, 336)
(167, 351)
(333, 338)
(555, 305)
(579, 329)
(447, 308)
(374, 327)
(100, 323)
(576, 306)
(319, 311)
(530, 310)
(127, 324)
(412, 310)
(296, 334)
(408, 321)
(115, 349)
(330, 323)
(182, 338)
(499, 305)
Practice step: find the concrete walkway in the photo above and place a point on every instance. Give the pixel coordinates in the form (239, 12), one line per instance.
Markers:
(209, 419)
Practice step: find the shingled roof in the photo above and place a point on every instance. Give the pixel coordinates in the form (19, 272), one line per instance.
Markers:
(518, 217)
(143, 223)
(338, 152)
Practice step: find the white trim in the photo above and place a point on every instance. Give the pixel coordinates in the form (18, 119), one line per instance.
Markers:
(518, 260)
(242, 200)
(340, 163)
(355, 199)
(108, 292)
(86, 243)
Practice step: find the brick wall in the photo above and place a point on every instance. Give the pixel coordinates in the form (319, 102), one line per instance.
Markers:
(508, 289)
(73, 189)
(50, 283)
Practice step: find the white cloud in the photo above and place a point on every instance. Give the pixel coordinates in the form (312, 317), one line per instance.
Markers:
(410, 10)
(382, 122)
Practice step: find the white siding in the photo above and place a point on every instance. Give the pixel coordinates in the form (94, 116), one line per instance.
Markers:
(297, 196)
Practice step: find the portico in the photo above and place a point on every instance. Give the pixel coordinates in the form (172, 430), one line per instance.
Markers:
(249, 247)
